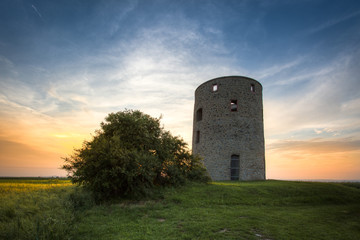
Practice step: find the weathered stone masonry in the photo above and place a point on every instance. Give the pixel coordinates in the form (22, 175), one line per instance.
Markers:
(228, 128)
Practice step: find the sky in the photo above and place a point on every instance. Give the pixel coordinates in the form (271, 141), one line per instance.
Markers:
(65, 65)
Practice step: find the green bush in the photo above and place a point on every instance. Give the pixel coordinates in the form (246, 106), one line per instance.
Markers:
(80, 199)
(130, 156)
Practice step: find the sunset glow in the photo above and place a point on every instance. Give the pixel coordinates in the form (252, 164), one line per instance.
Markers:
(65, 65)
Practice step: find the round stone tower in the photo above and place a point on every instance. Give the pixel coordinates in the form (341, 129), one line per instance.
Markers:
(228, 129)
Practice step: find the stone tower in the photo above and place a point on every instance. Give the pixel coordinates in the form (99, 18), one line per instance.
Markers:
(228, 129)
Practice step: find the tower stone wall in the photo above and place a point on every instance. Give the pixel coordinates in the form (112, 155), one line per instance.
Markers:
(228, 128)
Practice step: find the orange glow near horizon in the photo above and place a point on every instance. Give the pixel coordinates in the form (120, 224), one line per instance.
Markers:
(32, 144)
(39, 153)
(36, 151)
(310, 162)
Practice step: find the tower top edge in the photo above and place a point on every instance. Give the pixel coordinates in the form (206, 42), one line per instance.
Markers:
(229, 77)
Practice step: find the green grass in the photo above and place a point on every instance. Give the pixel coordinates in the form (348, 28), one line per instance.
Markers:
(220, 210)
(233, 210)
(35, 208)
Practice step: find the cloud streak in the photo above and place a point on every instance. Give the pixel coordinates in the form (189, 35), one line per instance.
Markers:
(325, 100)
(333, 22)
(36, 10)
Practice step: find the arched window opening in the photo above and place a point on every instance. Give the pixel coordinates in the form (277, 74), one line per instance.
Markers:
(199, 114)
(234, 167)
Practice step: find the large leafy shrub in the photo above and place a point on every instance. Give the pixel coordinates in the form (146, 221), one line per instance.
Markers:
(130, 156)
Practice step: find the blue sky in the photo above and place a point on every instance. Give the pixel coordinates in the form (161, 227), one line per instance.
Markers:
(64, 65)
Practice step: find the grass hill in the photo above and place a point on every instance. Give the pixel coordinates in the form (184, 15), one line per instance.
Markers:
(220, 210)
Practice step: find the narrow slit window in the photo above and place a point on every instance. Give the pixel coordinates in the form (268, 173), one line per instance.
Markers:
(234, 167)
(197, 137)
(214, 87)
(233, 105)
(199, 114)
(252, 87)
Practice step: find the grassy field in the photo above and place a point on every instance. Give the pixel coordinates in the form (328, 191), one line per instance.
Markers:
(35, 208)
(220, 210)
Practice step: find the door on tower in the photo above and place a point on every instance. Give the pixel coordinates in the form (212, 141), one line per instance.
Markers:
(234, 167)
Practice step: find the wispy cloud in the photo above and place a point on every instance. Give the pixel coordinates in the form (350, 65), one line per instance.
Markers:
(326, 131)
(278, 68)
(157, 72)
(37, 11)
(325, 99)
(333, 22)
(7, 69)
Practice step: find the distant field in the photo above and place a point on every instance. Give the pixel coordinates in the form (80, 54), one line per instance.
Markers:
(220, 210)
(35, 208)
(31, 184)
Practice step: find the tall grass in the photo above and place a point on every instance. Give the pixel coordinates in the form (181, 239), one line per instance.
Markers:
(55, 209)
(37, 208)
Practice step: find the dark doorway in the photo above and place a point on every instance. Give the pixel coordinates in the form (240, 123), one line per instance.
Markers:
(234, 167)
